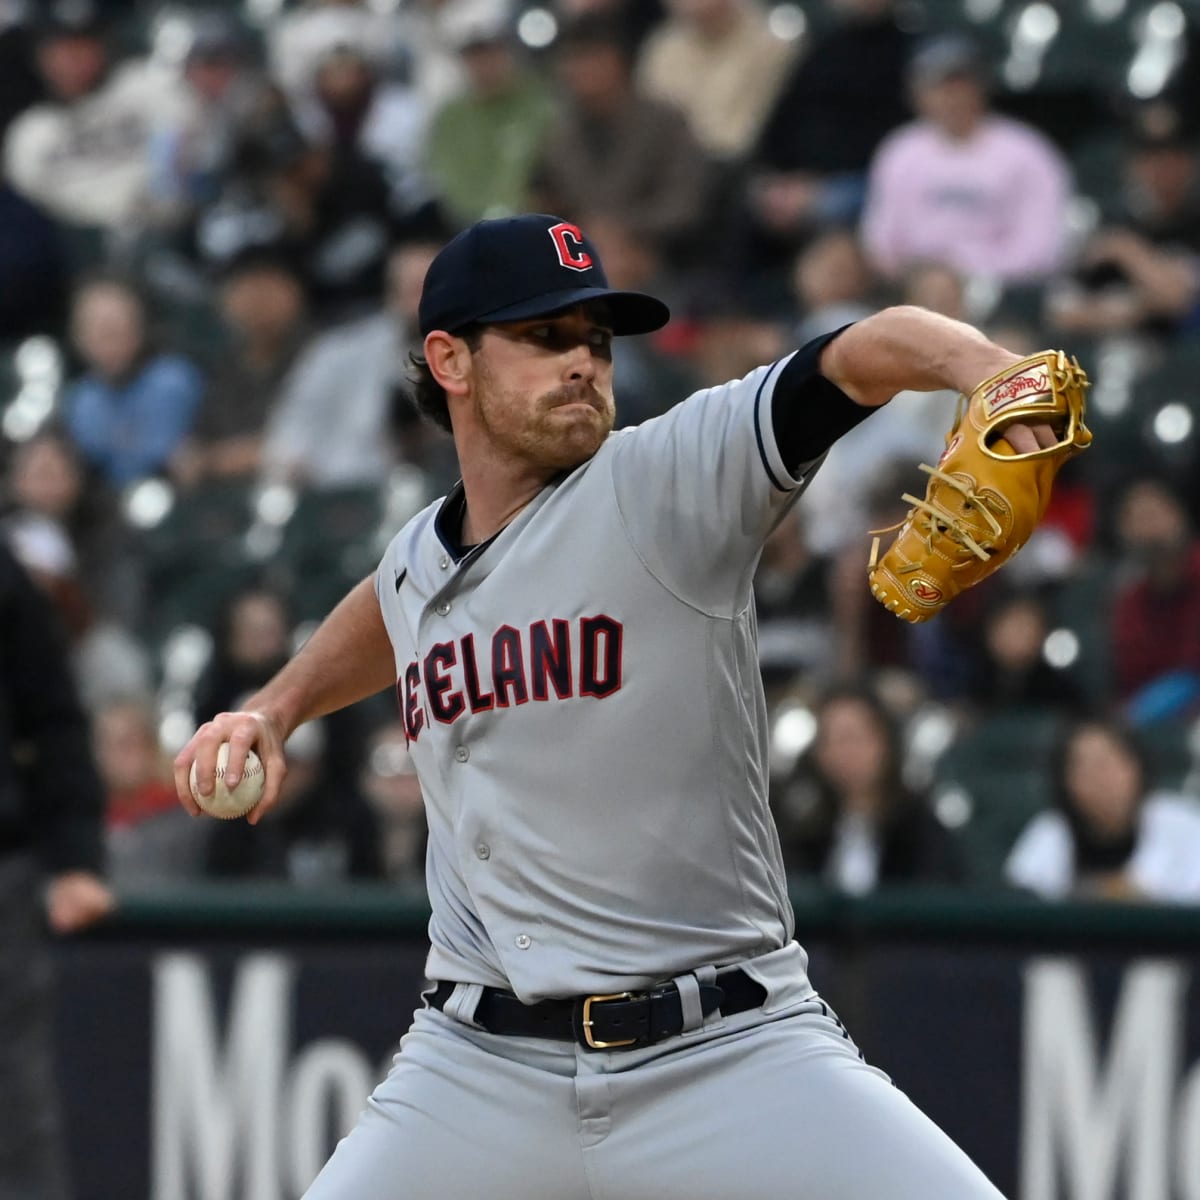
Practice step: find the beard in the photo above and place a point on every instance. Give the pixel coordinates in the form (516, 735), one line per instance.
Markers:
(547, 432)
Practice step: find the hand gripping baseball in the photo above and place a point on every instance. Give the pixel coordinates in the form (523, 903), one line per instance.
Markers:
(983, 499)
(244, 731)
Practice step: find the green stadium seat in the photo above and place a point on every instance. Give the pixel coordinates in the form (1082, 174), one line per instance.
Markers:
(329, 544)
(994, 776)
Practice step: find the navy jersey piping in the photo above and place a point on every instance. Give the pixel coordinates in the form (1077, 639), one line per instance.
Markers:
(758, 433)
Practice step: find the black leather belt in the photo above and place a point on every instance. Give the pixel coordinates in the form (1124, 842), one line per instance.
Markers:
(617, 1021)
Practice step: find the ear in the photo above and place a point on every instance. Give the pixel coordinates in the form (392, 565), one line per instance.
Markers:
(449, 360)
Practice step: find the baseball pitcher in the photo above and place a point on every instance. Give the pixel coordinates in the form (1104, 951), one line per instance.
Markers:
(618, 1009)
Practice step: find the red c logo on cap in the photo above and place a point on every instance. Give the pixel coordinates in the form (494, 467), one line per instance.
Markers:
(568, 245)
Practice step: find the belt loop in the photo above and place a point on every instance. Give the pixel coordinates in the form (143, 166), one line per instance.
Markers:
(463, 1002)
(689, 996)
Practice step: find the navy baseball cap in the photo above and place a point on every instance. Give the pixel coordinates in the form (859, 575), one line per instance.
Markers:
(514, 268)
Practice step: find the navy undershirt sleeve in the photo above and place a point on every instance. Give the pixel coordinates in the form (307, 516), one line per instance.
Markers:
(808, 413)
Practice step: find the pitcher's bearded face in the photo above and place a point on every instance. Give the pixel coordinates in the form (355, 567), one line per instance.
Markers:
(543, 387)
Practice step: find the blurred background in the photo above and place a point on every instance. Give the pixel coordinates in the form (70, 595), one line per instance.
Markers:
(214, 225)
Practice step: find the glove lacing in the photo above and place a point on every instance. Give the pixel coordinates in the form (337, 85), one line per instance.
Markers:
(939, 520)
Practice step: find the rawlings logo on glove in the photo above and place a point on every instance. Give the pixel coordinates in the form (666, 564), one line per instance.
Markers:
(983, 499)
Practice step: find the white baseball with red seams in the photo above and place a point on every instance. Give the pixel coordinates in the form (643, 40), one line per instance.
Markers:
(228, 803)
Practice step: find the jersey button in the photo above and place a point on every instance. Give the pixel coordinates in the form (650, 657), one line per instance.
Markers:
(483, 851)
(523, 941)
(442, 609)
(461, 753)
(444, 561)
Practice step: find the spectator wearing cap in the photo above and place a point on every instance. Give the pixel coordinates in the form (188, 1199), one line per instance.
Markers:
(485, 143)
(961, 185)
(82, 154)
(719, 62)
(264, 312)
(614, 151)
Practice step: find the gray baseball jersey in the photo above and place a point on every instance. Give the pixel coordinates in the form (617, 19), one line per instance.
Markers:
(582, 700)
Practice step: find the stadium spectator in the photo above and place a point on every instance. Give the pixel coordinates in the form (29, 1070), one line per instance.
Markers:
(1109, 834)
(389, 783)
(832, 284)
(979, 192)
(648, 379)
(106, 658)
(51, 813)
(302, 37)
(1156, 610)
(484, 143)
(330, 207)
(47, 484)
(150, 840)
(83, 153)
(719, 63)
(848, 818)
(20, 83)
(194, 150)
(263, 309)
(911, 430)
(844, 93)
(636, 18)
(867, 638)
(791, 602)
(1160, 197)
(1123, 282)
(1010, 671)
(1140, 271)
(34, 268)
(612, 150)
(356, 110)
(251, 642)
(331, 426)
(133, 406)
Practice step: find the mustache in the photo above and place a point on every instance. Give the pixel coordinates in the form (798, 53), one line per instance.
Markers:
(577, 394)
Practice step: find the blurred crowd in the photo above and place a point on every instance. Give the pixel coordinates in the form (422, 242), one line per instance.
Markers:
(214, 227)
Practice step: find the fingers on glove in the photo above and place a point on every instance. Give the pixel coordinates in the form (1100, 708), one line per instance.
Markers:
(1025, 439)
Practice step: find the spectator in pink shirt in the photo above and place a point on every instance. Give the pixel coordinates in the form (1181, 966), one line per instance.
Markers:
(962, 186)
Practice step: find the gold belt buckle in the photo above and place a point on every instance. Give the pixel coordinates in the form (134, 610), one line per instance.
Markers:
(587, 1021)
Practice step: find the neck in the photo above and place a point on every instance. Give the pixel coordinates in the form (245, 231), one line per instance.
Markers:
(862, 801)
(495, 493)
(717, 24)
(964, 127)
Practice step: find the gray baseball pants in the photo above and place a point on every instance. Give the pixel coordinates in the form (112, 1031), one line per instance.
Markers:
(764, 1105)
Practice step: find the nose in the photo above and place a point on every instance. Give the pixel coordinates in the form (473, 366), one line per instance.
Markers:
(581, 363)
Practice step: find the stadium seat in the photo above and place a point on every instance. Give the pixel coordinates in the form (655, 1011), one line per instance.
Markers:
(329, 545)
(995, 775)
(195, 557)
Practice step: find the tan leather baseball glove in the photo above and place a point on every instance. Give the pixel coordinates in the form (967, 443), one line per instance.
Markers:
(983, 499)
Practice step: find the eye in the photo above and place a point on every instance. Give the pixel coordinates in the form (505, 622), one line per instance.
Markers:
(541, 333)
(600, 339)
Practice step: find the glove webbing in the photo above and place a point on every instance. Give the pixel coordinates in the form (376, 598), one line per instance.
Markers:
(941, 520)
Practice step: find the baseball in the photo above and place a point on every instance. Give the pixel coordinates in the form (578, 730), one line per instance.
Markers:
(228, 803)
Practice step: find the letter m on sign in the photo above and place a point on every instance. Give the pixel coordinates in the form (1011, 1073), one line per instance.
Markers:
(1087, 1118)
(568, 245)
